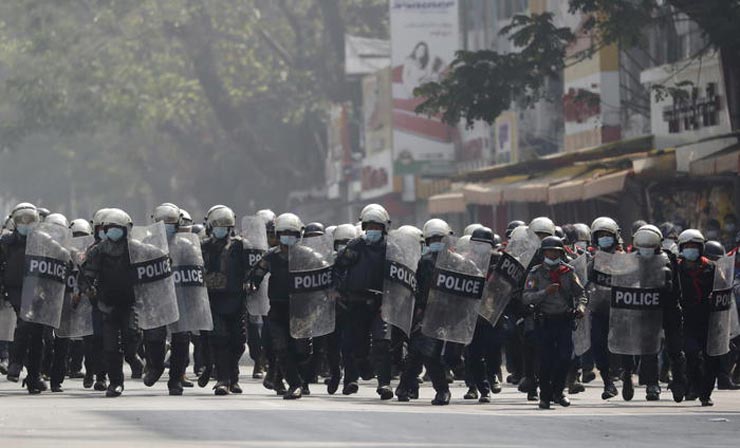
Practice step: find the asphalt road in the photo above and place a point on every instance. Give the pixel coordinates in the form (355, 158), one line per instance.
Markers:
(148, 417)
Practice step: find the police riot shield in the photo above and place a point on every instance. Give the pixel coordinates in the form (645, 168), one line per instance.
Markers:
(720, 315)
(254, 233)
(455, 293)
(151, 274)
(734, 320)
(636, 312)
(7, 321)
(582, 333)
(45, 274)
(77, 311)
(599, 288)
(312, 310)
(402, 255)
(509, 274)
(190, 287)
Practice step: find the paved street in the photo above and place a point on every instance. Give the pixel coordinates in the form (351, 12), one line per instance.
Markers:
(148, 417)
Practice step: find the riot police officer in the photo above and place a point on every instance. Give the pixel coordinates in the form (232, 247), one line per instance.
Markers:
(483, 355)
(27, 347)
(605, 237)
(113, 292)
(290, 353)
(424, 350)
(558, 296)
(359, 269)
(155, 340)
(226, 266)
(696, 275)
(543, 227)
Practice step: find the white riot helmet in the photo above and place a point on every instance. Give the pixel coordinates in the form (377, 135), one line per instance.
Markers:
(519, 233)
(436, 227)
(288, 222)
(267, 215)
(185, 219)
(167, 213)
(99, 217)
(117, 217)
(345, 232)
(542, 225)
(80, 226)
(221, 216)
(691, 236)
(25, 213)
(647, 236)
(605, 224)
(375, 214)
(58, 219)
(413, 230)
(472, 228)
(330, 231)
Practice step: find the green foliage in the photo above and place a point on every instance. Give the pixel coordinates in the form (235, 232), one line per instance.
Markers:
(482, 84)
(226, 98)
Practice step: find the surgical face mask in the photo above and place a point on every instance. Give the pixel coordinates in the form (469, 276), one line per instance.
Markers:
(373, 236)
(690, 254)
(340, 247)
(437, 246)
(114, 233)
(730, 227)
(24, 229)
(551, 261)
(288, 240)
(582, 245)
(606, 242)
(102, 235)
(220, 232)
(171, 229)
(646, 252)
(712, 234)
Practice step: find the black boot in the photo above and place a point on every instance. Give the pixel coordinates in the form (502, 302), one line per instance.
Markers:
(294, 393)
(153, 375)
(610, 390)
(652, 392)
(442, 398)
(34, 384)
(628, 389)
(14, 372)
(114, 390)
(471, 394)
(221, 388)
(88, 381)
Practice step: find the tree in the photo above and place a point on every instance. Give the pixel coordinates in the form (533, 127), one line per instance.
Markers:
(226, 98)
(482, 84)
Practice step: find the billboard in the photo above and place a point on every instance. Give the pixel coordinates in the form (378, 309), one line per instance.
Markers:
(425, 34)
(377, 165)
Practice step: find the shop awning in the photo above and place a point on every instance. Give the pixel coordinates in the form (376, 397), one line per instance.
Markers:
(537, 188)
(725, 162)
(530, 191)
(688, 154)
(490, 193)
(482, 194)
(606, 184)
(446, 203)
(568, 191)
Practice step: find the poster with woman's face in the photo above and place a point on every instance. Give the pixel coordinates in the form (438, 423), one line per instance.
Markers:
(425, 35)
(421, 67)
